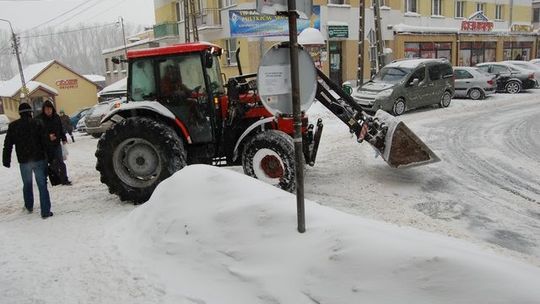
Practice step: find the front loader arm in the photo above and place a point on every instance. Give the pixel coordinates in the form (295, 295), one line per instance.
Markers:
(391, 138)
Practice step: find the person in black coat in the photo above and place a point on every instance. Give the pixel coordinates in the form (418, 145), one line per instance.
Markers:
(56, 136)
(28, 138)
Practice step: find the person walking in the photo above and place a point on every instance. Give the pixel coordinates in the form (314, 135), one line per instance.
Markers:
(66, 124)
(52, 126)
(28, 138)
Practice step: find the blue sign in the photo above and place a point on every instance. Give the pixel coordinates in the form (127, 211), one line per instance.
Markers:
(249, 23)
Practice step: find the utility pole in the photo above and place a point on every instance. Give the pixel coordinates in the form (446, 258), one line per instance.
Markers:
(19, 63)
(361, 43)
(378, 34)
(123, 35)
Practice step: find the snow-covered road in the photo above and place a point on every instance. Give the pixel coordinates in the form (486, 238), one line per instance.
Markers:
(485, 190)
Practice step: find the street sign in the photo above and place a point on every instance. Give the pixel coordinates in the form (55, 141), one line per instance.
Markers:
(272, 7)
(338, 31)
(274, 80)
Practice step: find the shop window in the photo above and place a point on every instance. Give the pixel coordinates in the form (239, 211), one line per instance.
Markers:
(480, 6)
(428, 50)
(498, 12)
(517, 50)
(472, 53)
(460, 5)
(230, 50)
(411, 6)
(436, 7)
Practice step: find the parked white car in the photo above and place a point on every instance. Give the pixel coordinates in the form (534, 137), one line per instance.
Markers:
(81, 125)
(4, 123)
(473, 83)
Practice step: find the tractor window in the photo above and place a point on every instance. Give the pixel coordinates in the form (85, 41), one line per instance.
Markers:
(214, 75)
(143, 85)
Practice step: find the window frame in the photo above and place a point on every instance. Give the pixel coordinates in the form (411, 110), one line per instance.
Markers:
(408, 4)
(439, 11)
(481, 7)
(231, 60)
(499, 12)
(459, 9)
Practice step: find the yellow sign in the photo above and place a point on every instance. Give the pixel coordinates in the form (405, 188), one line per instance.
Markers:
(521, 28)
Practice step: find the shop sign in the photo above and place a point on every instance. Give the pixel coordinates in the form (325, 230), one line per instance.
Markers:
(250, 23)
(338, 31)
(66, 84)
(478, 22)
(521, 28)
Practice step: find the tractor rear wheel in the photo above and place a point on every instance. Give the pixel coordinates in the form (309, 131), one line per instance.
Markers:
(135, 155)
(269, 157)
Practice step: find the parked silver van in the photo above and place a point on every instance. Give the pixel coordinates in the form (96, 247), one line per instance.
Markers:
(408, 84)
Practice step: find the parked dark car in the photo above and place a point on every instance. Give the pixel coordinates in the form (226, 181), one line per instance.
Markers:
(510, 79)
(75, 117)
(408, 84)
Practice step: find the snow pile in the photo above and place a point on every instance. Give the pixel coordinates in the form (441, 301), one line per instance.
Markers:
(211, 235)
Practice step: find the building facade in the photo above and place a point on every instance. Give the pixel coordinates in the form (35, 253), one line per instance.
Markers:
(50, 80)
(464, 32)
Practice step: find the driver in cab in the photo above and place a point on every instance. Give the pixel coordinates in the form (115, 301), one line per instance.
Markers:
(172, 88)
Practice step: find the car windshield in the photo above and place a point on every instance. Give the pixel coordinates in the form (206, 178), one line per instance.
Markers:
(391, 74)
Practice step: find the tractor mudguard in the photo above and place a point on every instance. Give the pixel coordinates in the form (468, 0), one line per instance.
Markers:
(153, 106)
(259, 123)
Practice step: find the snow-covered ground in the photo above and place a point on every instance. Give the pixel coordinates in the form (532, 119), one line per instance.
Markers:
(486, 191)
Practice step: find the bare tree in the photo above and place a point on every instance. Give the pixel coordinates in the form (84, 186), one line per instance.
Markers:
(79, 47)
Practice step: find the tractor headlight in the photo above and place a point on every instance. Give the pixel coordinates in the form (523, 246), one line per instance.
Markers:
(384, 94)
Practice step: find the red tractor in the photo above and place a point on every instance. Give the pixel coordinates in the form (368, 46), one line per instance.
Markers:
(179, 113)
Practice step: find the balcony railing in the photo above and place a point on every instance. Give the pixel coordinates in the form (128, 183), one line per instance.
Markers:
(166, 29)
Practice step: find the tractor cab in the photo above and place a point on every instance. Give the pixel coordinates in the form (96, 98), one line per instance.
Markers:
(185, 79)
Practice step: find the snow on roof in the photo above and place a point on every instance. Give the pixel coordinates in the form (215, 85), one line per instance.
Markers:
(216, 234)
(127, 46)
(423, 29)
(94, 78)
(116, 87)
(34, 85)
(12, 86)
(411, 63)
(311, 36)
(337, 23)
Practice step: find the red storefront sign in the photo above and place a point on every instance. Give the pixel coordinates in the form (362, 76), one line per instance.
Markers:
(66, 84)
(478, 22)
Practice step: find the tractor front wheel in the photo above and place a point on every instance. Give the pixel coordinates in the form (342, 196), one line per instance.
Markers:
(135, 155)
(269, 157)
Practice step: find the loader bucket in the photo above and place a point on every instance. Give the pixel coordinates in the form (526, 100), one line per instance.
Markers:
(402, 148)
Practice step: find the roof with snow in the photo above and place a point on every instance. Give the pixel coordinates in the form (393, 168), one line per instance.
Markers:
(94, 78)
(11, 87)
(117, 87)
(411, 63)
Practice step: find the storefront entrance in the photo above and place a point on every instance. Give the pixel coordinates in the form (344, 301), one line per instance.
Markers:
(336, 61)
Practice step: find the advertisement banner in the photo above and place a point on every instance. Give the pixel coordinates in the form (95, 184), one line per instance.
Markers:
(249, 23)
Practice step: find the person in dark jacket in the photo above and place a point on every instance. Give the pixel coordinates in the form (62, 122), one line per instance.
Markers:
(29, 141)
(66, 124)
(56, 136)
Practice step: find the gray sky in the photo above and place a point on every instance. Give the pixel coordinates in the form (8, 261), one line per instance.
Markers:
(25, 14)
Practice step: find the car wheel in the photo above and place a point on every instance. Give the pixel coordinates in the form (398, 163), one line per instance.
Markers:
(399, 107)
(476, 94)
(445, 100)
(513, 87)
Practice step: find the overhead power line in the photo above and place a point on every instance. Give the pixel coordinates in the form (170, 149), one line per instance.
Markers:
(70, 31)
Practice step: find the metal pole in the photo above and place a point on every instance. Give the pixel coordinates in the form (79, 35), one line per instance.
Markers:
(378, 34)
(297, 115)
(19, 63)
(124, 36)
(361, 41)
